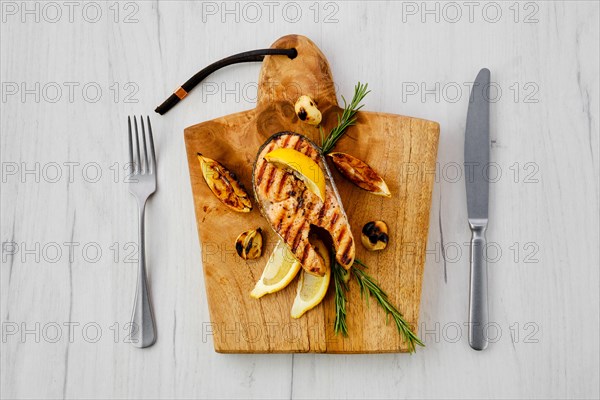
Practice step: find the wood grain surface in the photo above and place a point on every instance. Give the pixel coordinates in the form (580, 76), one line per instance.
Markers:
(396, 146)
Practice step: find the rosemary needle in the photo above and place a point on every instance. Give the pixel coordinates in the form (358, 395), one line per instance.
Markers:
(341, 287)
(368, 286)
(347, 119)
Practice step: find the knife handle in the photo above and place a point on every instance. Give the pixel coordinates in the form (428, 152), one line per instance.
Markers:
(478, 298)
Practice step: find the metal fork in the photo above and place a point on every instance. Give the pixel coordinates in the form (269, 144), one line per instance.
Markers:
(142, 185)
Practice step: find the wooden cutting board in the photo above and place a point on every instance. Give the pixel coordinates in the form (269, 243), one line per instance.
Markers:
(402, 149)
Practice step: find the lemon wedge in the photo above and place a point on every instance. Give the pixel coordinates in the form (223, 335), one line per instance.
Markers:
(305, 168)
(281, 268)
(312, 288)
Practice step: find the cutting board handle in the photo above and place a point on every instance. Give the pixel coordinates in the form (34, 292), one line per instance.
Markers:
(283, 80)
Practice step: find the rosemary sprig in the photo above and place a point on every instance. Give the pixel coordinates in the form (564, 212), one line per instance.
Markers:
(368, 286)
(341, 287)
(347, 119)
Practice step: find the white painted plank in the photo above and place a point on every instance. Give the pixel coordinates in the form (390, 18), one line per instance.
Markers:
(543, 212)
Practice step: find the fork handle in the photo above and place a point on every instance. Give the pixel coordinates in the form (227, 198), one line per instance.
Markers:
(142, 329)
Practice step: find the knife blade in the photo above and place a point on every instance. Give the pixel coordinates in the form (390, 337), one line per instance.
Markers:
(476, 163)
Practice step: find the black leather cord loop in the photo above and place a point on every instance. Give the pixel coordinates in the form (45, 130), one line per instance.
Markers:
(247, 56)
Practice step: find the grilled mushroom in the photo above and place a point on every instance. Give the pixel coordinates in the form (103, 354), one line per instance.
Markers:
(249, 244)
(307, 110)
(375, 235)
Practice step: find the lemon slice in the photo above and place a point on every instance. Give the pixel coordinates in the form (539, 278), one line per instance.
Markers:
(281, 268)
(312, 288)
(305, 168)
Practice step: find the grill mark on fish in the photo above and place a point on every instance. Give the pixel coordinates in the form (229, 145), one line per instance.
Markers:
(308, 150)
(280, 178)
(293, 142)
(277, 177)
(345, 259)
(334, 219)
(260, 172)
(312, 208)
(279, 221)
(298, 237)
(287, 226)
(269, 178)
(298, 145)
(341, 233)
(312, 153)
(263, 164)
(344, 249)
(305, 252)
(300, 204)
(322, 213)
(291, 208)
(295, 234)
(287, 218)
(283, 141)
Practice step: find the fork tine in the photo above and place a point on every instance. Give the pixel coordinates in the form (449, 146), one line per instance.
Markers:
(137, 159)
(130, 144)
(151, 140)
(146, 165)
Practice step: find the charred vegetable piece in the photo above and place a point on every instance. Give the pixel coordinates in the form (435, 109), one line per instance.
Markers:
(375, 235)
(249, 244)
(307, 111)
(360, 173)
(225, 185)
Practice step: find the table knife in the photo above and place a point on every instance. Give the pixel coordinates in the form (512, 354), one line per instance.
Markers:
(477, 157)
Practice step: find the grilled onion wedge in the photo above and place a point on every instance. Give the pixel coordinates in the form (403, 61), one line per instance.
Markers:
(225, 185)
(360, 173)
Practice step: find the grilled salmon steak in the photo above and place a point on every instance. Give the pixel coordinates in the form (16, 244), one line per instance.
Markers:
(291, 208)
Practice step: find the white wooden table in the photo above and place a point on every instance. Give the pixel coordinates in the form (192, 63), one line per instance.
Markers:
(72, 72)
